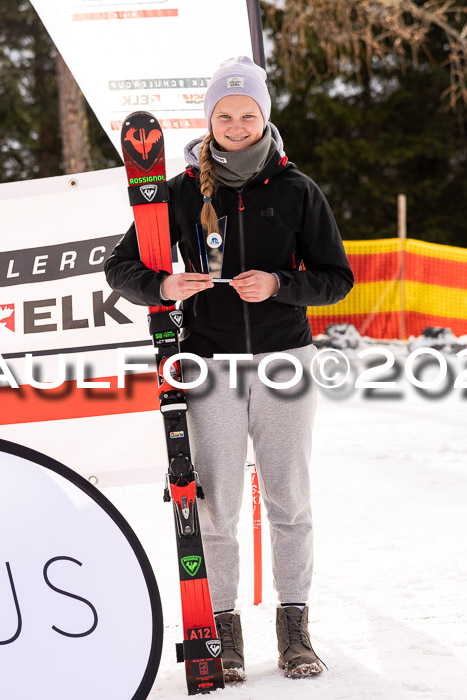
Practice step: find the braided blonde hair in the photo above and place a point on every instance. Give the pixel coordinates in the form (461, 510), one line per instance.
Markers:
(208, 184)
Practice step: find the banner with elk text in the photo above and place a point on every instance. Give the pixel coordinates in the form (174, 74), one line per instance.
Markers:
(156, 55)
(66, 337)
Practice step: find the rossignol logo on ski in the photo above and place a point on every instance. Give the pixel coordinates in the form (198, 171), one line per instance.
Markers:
(148, 191)
(149, 178)
(142, 141)
(177, 317)
(191, 564)
(214, 647)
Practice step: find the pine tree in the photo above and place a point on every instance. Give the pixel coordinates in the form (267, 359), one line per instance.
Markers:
(34, 132)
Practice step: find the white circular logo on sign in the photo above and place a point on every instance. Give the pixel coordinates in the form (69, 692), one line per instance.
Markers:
(80, 607)
(214, 240)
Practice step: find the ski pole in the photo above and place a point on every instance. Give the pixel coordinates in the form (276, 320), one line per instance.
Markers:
(257, 546)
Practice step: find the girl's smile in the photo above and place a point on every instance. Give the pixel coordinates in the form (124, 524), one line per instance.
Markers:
(237, 122)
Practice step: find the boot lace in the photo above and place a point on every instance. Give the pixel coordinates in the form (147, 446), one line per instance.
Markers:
(294, 630)
(226, 634)
(296, 634)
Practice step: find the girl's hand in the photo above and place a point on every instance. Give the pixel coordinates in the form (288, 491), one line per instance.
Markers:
(183, 285)
(255, 285)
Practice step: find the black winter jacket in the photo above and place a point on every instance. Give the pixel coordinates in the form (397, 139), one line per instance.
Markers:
(277, 220)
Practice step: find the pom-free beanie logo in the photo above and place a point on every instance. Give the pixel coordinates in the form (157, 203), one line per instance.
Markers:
(235, 82)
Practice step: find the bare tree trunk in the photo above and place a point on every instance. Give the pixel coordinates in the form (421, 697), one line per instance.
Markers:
(76, 151)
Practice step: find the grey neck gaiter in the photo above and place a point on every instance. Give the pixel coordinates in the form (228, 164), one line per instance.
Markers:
(234, 168)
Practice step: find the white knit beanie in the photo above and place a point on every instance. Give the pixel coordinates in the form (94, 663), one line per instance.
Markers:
(238, 76)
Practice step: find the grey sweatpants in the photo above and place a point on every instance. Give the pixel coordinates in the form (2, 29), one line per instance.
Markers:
(280, 425)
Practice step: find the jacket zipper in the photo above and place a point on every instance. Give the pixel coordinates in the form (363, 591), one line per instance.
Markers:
(241, 231)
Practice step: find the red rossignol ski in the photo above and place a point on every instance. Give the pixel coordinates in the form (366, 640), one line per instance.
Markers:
(144, 157)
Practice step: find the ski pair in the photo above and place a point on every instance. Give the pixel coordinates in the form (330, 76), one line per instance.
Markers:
(143, 151)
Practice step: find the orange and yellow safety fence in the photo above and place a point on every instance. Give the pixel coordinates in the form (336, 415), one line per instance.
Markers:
(401, 287)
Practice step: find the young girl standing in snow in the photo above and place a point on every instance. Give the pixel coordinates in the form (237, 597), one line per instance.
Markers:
(277, 218)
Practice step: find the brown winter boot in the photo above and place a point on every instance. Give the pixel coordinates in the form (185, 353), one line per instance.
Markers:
(229, 631)
(296, 655)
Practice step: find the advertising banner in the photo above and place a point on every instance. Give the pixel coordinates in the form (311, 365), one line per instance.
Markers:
(66, 337)
(153, 55)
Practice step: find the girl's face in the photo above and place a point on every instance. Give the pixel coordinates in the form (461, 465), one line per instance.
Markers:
(237, 122)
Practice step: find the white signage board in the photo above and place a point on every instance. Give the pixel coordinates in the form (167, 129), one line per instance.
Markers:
(56, 306)
(79, 604)
(152, 55)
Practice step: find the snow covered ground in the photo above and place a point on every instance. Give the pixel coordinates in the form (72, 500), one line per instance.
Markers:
(389, 600)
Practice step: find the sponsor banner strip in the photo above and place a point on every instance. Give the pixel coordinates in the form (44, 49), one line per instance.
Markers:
(78, 348)
(28, 404)
(123, 14)
(56, 261)
(159, 84)
(116, 124)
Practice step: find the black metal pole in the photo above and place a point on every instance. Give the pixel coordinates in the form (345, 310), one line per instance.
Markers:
(256, 31)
